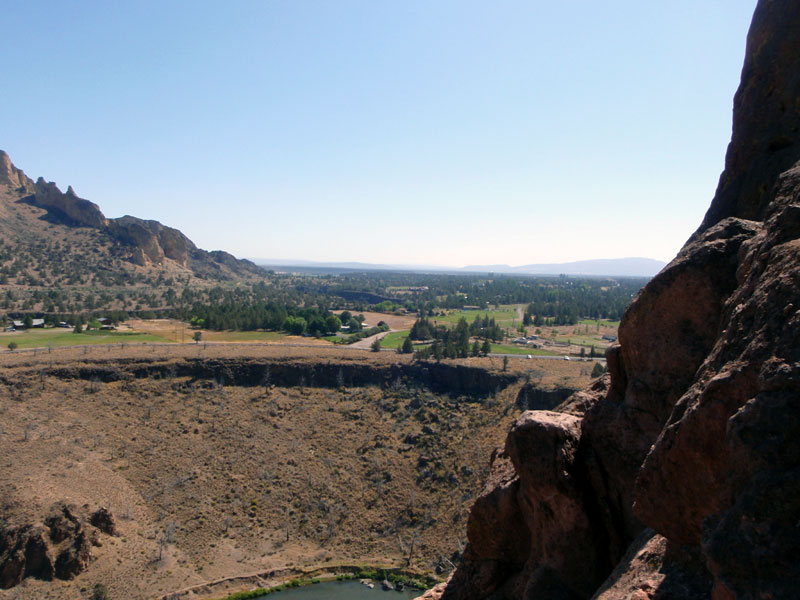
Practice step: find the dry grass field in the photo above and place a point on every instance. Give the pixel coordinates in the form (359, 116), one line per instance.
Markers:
(209, 479)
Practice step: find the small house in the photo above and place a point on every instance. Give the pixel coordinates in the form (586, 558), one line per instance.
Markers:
(34, 323)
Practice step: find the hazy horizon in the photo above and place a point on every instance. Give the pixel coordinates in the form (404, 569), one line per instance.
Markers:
(456, 267)
(452, 133)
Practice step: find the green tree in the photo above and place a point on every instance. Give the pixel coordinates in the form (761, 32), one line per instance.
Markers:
(197, 336)
(486, 348)
(408, 346)
(295, 325)
(332, 323)
(476, 348)
(28, 321)
(12, 346)
(78, 328)
(598, 370)
(462, 338)
(376, 345)
(505, 363)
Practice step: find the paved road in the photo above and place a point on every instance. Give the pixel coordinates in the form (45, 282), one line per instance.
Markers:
(367, 341)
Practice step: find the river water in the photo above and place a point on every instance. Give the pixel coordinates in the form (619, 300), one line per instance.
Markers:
(342, 590)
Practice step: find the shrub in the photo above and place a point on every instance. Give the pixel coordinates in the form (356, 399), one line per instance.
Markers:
(100, 592)
(598, 370)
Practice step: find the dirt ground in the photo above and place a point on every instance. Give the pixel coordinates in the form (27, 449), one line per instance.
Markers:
(395, 322)
(227, 481)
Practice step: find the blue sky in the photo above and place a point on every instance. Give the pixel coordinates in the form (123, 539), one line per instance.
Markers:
(446, 132)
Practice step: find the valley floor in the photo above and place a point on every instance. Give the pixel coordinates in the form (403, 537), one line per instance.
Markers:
(209, 479)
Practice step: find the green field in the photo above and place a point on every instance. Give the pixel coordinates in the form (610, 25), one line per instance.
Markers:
(583, 340)
(42, 338)
(601, 322)
(504, 315)
(394, 339)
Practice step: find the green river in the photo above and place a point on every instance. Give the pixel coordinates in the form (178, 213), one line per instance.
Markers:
(343, 590)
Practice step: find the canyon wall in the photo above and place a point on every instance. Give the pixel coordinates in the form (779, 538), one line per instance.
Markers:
(442, 377)
(677, 474)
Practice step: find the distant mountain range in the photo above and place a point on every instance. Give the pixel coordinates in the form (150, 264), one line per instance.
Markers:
(622, 267)
(619, 267)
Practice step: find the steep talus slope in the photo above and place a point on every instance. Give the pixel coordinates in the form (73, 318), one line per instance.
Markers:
(138, 242)
(677, 474)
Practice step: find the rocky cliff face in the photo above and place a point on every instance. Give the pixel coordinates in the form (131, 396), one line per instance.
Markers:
(67, 208)
(677, 474)
(58, 547)
(154, 241)
(14, 177)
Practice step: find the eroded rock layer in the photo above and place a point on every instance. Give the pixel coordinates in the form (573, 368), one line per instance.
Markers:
(677, 474)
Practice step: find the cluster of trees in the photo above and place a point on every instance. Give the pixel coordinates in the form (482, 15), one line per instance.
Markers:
(482, 326)
(439, 350)
(557, 314)
(486, 328)
(422, 329)
(270, 316)
(448, 343)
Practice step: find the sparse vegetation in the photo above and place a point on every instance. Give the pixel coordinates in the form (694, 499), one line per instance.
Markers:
(100, 592)
(346, 470)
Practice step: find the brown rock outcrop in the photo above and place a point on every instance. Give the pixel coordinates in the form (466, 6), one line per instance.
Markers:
(104, 521)
(14, 177)
(60, 548)
(66, 207)
(678, 474)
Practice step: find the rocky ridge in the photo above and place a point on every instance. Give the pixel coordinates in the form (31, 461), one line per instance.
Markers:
(141, 242)
(677, 474)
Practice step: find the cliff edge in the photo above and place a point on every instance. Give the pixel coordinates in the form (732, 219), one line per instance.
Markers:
(677, 475)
